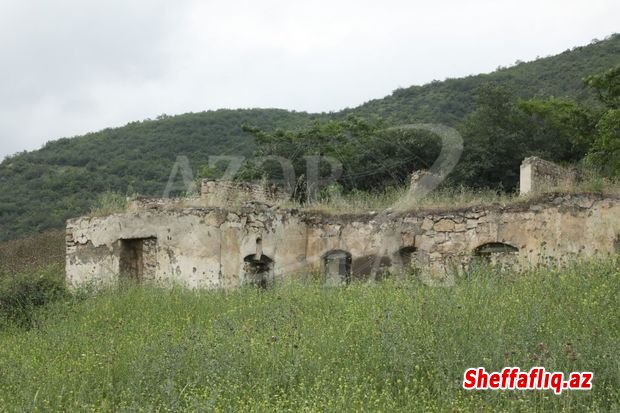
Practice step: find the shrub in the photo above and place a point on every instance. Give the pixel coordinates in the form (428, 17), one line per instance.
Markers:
(22, 294)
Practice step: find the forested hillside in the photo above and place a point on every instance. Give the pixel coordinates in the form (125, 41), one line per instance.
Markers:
(41, 189)
(450, 100)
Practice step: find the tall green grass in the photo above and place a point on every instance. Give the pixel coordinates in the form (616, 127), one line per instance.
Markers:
(107, 203)
(398, 345)
(401, 199)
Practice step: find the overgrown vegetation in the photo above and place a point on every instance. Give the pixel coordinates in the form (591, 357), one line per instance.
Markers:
(109, 203)
(394, 346)
(362, 155)
(605, 151)
(33, 253)
(334, 200)
(497, 135)
(41, 189)
(21, 295)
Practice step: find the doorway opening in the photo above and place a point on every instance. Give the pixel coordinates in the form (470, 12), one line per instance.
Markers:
(138, 259)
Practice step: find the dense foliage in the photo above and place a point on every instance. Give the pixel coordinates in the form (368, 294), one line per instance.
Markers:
(395, 346)
(605, 152)
(502, 131)
(497, 135)
(362, 155)
(41, 189)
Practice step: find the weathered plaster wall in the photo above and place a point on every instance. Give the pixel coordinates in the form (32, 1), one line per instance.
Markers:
(211, 247)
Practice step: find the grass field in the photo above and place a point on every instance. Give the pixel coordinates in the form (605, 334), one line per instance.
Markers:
(394, 346)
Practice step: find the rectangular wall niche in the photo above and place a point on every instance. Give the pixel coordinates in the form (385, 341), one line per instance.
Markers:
(337, 264)
(138, 259)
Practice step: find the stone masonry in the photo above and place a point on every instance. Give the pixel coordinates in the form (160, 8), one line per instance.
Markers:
(197, 245)
(216, 248)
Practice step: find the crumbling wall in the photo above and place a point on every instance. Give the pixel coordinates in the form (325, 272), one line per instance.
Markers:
(226, 193)
(215, 248)
(196, 247)
(146, 204)
(421, 182)
(537, 175)
(214, 193)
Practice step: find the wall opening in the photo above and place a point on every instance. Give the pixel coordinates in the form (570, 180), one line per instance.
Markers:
(138, 259)
(496, 254)
(258, 269)
(370, 267)
(487, 250)
(407, 256)
(337, 265)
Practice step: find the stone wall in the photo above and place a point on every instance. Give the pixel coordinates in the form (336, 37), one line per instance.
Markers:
(226, 193)
(537, 175)
(214, 193)
(214, 247)
(146, 204)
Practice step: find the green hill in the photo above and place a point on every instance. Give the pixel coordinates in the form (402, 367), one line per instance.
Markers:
(41, 189)
(450, 100)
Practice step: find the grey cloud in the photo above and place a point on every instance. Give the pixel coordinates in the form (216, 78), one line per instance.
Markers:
(51, 47)
(73, 66)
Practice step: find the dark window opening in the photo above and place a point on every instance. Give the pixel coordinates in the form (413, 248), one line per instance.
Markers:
(137, 258)
(258, 270)
(491, 248)
(407, 256)
(496, 254)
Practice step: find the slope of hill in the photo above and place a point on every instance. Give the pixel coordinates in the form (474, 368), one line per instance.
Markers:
(449, 101)
(41, 189)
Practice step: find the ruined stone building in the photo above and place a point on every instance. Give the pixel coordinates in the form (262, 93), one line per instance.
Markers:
(201, 243)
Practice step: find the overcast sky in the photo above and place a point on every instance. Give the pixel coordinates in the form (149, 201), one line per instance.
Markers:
(74, 66)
